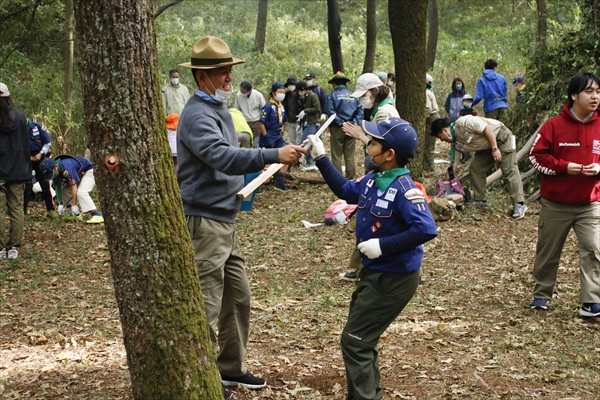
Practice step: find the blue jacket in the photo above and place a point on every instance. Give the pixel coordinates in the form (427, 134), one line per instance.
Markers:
(398, 216)
(346, 108)
(269, 116)
(454, 104)
(39, 140)
(492, 88)
(72, 168)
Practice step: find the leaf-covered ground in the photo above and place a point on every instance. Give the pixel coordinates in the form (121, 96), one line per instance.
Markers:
(468, 333)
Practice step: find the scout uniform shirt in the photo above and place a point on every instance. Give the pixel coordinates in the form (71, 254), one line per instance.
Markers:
(274, 117)
(468, 134)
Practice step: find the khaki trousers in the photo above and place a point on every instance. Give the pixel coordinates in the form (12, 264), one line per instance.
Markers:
(255, 126)
(483, 162)
(555, 222)
(342, 146)
(429, 148)
(84, 187)
(225, 290)
(11, 200)
(497, 114)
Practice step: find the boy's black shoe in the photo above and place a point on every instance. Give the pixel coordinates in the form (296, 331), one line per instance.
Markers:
(248, 380)
(281, 187)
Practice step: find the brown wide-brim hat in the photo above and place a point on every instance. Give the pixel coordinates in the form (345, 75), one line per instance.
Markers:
(211, 52)
(339, 77)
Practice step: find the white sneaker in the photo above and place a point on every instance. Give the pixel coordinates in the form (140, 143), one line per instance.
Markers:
(2, 254)
(13, 253)
(519, 211)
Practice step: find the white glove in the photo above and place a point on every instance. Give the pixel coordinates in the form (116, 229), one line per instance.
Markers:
(323, 117)
(75, 210)
(301, 116)
(317, 148)
(61, 209)
(370, 248)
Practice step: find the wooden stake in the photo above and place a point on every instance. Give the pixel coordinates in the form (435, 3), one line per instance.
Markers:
(273, 168)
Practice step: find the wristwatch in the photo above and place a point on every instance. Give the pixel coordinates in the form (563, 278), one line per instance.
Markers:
(494, 148)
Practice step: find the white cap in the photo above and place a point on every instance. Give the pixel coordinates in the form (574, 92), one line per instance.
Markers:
(365, 82)
(428, 79)
(4, 90)
(467, 96)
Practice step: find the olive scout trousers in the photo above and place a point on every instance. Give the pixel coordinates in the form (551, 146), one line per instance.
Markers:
(483, 162)
(554, 224)
(11, 201)
(497, 114)
(377, 301)
(225, 290)
(342, 147)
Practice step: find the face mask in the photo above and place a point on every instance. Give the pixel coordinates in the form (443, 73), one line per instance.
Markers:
(220, 96)
(279, 97)
(371, 165)
(390, 84)
(291, 88)
(174, 81)
(366, 102)
(310, 83)
(448, 136)
(458, 86)
(467, 105)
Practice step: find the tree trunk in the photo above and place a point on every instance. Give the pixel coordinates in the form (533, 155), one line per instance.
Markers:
(542, 18)
(334, 26)
(261, 26)
(369, 64)
(169, 352)
(408, 22)
(68, 84)
(432, 16)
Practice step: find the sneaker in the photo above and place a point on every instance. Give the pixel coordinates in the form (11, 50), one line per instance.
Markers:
(539, 304)
(79, 217)
(281, 187)
(227, 395)
(2, 254)
(590, 310)
(311, 167)
(96, 219)
(52, 214)
(248, 380)
(13, 253)
(479, 204)
(519, 211)
(349, 276)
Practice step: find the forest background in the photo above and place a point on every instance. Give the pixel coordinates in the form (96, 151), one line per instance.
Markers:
(32, 48)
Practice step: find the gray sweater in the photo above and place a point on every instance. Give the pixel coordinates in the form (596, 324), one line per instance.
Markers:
(211, 165)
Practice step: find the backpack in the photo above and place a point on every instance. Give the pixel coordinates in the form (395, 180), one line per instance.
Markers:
(452, 189)
(442, 208)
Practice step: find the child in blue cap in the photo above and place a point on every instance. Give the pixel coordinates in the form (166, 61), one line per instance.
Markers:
(392, 223)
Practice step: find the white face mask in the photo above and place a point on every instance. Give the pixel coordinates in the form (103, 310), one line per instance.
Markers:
(220, 96)
(390, 83)
(310, 83)
(366, 102)
(291, 88)
(174, 81)
(279, 97)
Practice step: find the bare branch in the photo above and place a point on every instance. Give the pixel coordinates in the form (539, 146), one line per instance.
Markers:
(163, 8)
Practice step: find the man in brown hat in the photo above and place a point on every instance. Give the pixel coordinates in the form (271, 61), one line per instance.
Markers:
(347, 109)
(211, 169)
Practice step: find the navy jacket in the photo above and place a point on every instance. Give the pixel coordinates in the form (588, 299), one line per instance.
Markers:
(15, 161)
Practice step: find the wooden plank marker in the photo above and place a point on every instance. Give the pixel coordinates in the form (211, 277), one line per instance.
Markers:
(273, 168)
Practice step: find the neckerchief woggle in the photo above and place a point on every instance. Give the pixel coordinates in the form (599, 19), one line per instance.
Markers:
(384, 179)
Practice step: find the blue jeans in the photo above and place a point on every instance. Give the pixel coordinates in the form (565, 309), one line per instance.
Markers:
(309, 129)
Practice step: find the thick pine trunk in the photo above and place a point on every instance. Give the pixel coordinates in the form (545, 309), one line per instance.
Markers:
(408, 21)
(432, 16)
(261, 26)
(334, 27)
(371, 38)
(165, 331)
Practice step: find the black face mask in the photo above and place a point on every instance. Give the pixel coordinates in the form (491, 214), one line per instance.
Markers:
(370, 164)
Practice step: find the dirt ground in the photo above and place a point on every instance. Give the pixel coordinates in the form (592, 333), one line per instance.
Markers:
(467, 334)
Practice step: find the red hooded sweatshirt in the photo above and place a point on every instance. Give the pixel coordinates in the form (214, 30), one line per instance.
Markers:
(564, 139)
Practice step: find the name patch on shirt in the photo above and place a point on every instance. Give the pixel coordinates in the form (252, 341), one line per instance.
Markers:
(370, 183)
(566, 144)
(375, 227)
(382, 204)
(391, 194)
(596, 147)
